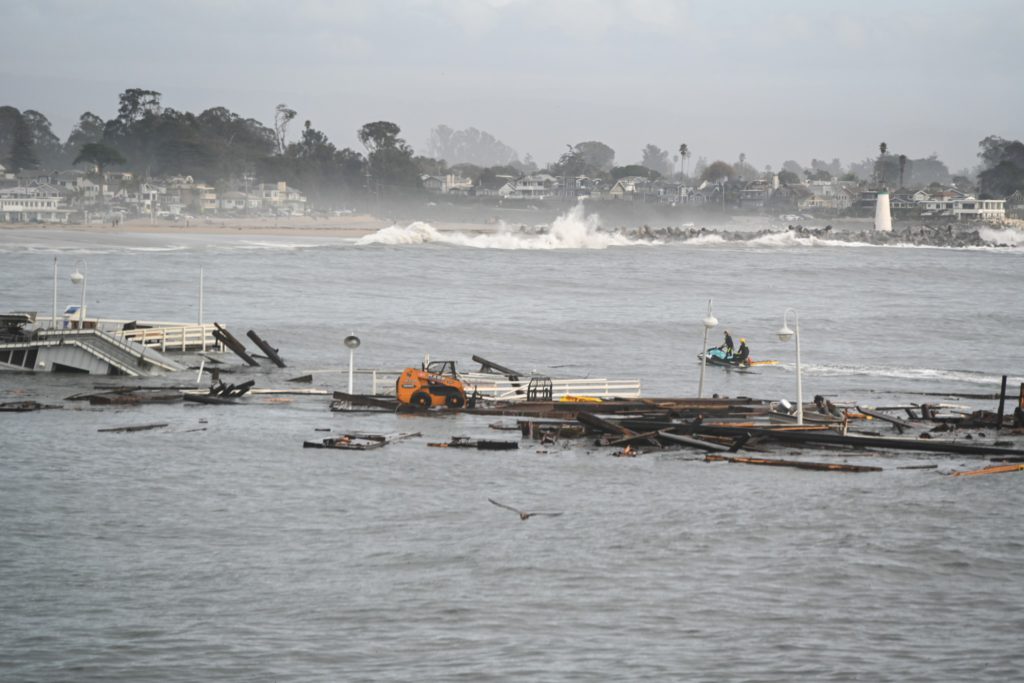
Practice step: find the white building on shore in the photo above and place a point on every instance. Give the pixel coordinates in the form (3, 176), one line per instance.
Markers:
(37, 203)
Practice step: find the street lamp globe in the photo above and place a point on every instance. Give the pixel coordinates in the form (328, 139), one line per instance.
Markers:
(352, 341)
(785, 334)
(710, 321)
(77, 277)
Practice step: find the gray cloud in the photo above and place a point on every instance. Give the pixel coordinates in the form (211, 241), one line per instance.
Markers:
(774, 80)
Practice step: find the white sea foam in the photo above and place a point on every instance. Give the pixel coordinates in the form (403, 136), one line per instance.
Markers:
(788, 238)
(572, 230)
(1010, 236)
(922, 374)
(710, 238)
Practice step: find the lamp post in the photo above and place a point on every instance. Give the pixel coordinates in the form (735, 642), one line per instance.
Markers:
(785, 334)
(709, 322)
(53, 321)
(78, 278)
(352, 342)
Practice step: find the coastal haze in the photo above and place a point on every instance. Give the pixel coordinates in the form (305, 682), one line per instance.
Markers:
(505, 179)
(776, 81)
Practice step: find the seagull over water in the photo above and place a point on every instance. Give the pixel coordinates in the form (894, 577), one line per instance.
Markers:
(524, 515)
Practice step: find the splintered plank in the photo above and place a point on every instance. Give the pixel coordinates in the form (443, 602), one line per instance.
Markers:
(995, 469)
(134, 428)
(799, 464)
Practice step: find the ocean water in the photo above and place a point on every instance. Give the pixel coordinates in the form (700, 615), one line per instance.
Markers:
(219, 549)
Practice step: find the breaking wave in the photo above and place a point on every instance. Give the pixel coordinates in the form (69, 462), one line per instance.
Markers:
(915, 374)
(1009, 236)
(571, 230)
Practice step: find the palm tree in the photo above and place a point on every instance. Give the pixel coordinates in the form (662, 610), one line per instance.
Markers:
(883, 148)
(684, 152)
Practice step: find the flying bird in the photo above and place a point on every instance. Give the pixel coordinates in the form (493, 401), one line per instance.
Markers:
(523, 515)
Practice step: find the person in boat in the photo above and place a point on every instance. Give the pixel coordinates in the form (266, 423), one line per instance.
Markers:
(742, 353)
(727, 346)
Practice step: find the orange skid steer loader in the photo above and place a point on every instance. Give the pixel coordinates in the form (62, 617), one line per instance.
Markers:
(435, 385)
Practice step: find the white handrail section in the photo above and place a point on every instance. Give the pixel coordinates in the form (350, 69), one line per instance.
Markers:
(180, 337)
(499, 388)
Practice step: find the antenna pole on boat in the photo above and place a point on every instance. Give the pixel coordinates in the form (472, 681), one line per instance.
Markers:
(709, 322)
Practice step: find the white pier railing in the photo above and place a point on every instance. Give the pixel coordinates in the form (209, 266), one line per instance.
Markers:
(175, 338)
(499, 388)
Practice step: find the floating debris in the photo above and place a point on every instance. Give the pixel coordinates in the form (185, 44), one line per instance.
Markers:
(479, 444)
(994, 469)
(357, 441)
(800, 464)
(135, 428)
(24, 406)
(524, 515)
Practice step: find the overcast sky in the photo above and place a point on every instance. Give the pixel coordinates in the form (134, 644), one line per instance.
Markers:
(775, 80)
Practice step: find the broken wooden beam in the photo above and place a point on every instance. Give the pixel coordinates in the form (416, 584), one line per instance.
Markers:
(266, 348)
(994, 469)
(602, 425)
(892, 443)
(134, 428)
(899, 424)
(479, 444)
(691, 441)
(227, 339)
(799, 464)
(491, 366)
(24, 406)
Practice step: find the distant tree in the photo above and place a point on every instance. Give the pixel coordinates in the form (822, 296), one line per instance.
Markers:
(597, 156)
(88, 129)
(788, 178)
(16, 142)
(883, 148)
(903, 167)
(821, 174)
(99, 155)
(718, 172)
(1001, 180)
(432, 166)
(46, 146)
(834, 168)
(283, 115)
(390, 159)
(962, 183)
(527, 165)
(849, 177)
(921, 172)
(22, 154)
(570, 164)
(700, 167)
(656, 159)
(634, 170)
(379, 135)
(793, 167)
(468, 146)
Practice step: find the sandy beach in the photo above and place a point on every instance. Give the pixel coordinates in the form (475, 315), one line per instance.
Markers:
(291, 226)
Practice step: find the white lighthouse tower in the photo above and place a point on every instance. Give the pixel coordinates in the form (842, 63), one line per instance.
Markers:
(883, 217)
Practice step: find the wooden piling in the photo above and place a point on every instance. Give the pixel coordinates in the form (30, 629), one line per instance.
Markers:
(266, 348)
(1002, 402)
(227, 339)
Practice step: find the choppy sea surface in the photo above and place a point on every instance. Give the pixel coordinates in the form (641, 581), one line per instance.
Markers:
(219, 549)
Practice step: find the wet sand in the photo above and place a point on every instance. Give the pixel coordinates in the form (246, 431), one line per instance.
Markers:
(292, 226)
